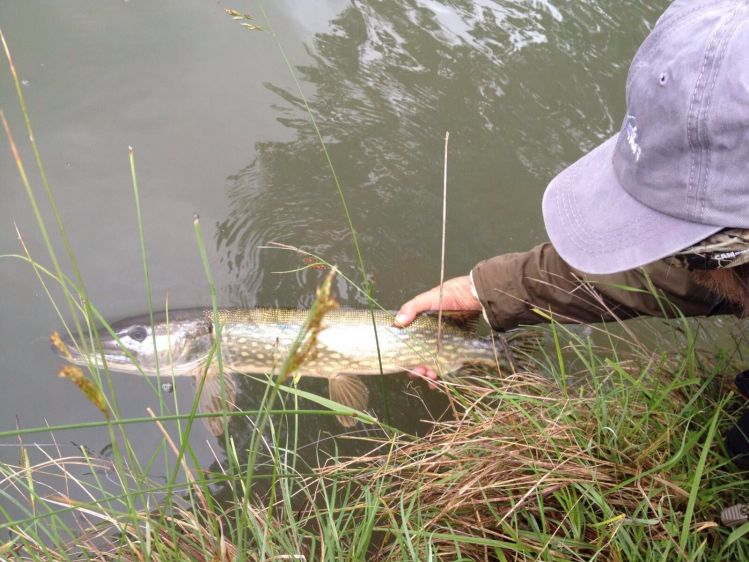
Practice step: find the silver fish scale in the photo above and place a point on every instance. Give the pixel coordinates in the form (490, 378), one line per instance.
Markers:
(259, 339)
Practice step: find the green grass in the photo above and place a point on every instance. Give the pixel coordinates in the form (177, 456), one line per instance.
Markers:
(603, 448)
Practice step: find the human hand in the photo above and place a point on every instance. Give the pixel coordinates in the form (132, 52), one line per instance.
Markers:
(456, 296)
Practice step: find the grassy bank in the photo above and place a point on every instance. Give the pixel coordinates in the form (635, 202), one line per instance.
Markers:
(602, 447)
(626, 463)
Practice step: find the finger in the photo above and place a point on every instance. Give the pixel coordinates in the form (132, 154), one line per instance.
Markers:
(418, 372)
(404, 316)
(409, 310)
(424, 373)
(431, 378)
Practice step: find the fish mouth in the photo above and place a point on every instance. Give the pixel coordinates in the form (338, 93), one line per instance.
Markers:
(68, 349)
(65, 348)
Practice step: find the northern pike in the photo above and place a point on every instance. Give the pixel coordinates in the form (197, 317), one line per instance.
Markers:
(257, 340)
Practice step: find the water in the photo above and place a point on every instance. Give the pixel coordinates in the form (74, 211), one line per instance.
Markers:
(523, 87)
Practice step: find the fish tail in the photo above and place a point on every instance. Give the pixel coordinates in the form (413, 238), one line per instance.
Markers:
(510, 350)
(519, 346)
(523, 340)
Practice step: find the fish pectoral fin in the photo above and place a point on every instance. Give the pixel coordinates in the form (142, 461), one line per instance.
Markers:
(211, 400)
(348, 390)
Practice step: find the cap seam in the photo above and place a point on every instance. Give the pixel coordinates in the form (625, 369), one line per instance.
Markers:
(706, 114)
(693, 123)
(702, 135)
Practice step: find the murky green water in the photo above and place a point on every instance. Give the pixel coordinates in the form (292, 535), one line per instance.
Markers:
(523, 87)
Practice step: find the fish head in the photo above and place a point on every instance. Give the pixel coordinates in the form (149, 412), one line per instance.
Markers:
(177, 342)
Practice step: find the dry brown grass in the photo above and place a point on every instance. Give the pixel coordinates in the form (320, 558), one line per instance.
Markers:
(516, 464)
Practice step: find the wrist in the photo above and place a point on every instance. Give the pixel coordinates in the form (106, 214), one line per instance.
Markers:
(475, 295)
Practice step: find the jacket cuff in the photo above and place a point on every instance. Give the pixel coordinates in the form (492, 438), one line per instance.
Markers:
(496, 283)
(475, 294)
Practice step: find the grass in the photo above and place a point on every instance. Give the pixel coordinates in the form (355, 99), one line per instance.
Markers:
(601, 448)
(624, 464)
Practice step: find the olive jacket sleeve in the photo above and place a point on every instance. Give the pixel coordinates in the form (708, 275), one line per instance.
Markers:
(514, 288)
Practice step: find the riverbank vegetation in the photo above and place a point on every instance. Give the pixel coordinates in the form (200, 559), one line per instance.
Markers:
(595, 452)
(604, 445)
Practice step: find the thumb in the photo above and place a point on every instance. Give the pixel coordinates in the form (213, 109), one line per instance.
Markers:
(409, 310)
(404, 316)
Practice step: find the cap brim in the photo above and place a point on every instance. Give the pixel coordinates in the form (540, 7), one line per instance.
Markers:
(597, 227)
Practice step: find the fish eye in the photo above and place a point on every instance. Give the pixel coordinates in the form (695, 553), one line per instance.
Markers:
(137, 333)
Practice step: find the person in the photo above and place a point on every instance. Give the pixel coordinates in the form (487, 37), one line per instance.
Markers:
(664, 201)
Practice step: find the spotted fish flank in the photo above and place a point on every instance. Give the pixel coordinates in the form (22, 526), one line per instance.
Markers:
(257, 340)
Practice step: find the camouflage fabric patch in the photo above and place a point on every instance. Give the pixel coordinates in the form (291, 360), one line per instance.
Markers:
(725, 249)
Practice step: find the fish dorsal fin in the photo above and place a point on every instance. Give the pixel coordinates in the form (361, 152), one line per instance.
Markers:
(463, 319)
(348, 390)
(210, 400)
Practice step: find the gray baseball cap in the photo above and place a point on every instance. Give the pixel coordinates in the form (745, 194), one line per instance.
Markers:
(678, 170)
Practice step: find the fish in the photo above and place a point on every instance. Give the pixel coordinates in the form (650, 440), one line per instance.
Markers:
(257, 340)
